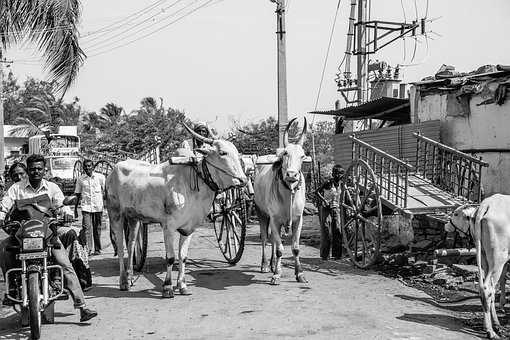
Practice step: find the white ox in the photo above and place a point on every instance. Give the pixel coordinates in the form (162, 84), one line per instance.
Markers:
(489, 224)
(176, 196)
(280, 200)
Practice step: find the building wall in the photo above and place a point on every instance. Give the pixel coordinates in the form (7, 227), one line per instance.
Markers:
(481, 130)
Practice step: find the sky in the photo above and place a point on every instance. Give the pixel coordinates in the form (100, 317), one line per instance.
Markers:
(218, 64)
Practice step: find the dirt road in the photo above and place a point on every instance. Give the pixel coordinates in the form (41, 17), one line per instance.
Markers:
(236, 302)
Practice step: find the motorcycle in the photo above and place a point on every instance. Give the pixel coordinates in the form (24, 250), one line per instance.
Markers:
(33, 285)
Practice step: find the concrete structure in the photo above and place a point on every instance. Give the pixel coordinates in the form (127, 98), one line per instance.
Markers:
(475, 118)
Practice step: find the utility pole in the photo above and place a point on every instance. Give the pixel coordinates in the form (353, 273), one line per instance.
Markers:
(282, 70)
(361, 57)
(2, 139)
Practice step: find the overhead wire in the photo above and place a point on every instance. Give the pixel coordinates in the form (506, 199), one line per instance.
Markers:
(103, 41)
(327, 54)
(123, 21)
(156, 30)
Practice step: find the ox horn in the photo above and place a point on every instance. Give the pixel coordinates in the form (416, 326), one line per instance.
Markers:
(286, 134)
(197, 136)
(303, 133)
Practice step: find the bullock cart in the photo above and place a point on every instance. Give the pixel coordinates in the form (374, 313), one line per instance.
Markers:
(103, 164)
(377, 184)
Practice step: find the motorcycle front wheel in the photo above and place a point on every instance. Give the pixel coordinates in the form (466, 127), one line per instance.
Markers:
(34, 305)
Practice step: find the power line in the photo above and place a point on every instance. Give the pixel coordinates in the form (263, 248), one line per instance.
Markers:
(327, 56)
(150, 18)
(129, 18)
(142, 29)
(157, 30)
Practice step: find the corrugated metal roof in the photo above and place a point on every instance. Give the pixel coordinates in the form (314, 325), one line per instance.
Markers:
(384, 108)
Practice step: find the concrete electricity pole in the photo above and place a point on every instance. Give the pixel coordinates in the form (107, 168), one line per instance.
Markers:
(2, 140)
(282, 70)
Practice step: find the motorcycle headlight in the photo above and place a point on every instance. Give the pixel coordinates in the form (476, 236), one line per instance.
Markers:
(33, 243)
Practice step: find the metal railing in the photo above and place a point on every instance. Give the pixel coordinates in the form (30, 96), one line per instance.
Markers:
(449, 169)
(391, 173)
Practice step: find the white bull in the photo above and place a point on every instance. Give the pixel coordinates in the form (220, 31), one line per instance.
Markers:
(280, 200)
(489, 224)
(176, 196)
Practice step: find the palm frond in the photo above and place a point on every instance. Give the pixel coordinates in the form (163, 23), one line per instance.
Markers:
(52, 26)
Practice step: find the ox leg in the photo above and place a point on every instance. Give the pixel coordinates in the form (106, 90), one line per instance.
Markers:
(170, 259)
(499, 266)
(133, 226)
(277, 244)
(117, 225)
(502, 289)
(264, 225)
(184, 242)
(296, 233)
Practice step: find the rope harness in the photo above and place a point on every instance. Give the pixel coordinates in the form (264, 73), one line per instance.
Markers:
(203, 173)
(292, 195)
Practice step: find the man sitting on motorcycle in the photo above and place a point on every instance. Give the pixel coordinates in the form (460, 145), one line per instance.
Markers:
(33, 186)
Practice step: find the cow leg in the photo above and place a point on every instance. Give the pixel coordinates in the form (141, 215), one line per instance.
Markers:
(502, 289)
(499, 265)
(170, 259)
(133, 226)
(117, 225)
(296, 233)
(278, 249)
(184, 242)
(264, 225)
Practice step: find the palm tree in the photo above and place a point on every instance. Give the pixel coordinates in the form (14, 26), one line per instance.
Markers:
(111, 113)
(52, 25)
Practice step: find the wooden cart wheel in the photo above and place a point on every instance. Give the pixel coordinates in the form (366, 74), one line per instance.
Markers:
(361, 214)
(141, 241)
(103, 167)
(229, 219)
(77, 171)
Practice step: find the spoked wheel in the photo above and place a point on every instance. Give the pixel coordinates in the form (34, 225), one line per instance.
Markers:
(103, 167)
(77, 171)
(229, 219)
(361, 214)
(140, 251)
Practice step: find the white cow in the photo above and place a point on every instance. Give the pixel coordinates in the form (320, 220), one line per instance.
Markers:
(176, 196)
(280, 200)
(489, 224)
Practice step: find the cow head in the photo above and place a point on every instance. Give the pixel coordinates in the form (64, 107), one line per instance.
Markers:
(291, 157)
(222, 161)
(461, 219)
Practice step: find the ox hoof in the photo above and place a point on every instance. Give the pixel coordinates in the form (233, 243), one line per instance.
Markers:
(301, 278)
(275, 281)
(124, 287)
(184, 291)
(167, 294)
(264, 269)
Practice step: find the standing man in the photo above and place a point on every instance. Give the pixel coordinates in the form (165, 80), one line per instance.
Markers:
(36, 185)
(90, 189)
(329, 198)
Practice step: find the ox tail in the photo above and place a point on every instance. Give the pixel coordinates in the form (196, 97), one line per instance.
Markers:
(479, 216)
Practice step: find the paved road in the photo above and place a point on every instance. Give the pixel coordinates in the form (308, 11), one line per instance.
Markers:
(236, 302)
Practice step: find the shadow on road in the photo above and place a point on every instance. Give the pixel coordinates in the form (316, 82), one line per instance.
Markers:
(221, 279)
(447, 322)
(473, 308)
(330, 268)
(10, 328)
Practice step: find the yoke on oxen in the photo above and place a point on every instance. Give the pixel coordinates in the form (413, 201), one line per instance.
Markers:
(165, 194)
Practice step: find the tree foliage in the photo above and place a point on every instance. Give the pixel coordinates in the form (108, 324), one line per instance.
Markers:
(52, 26)
(142, 129)
(35, 101)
